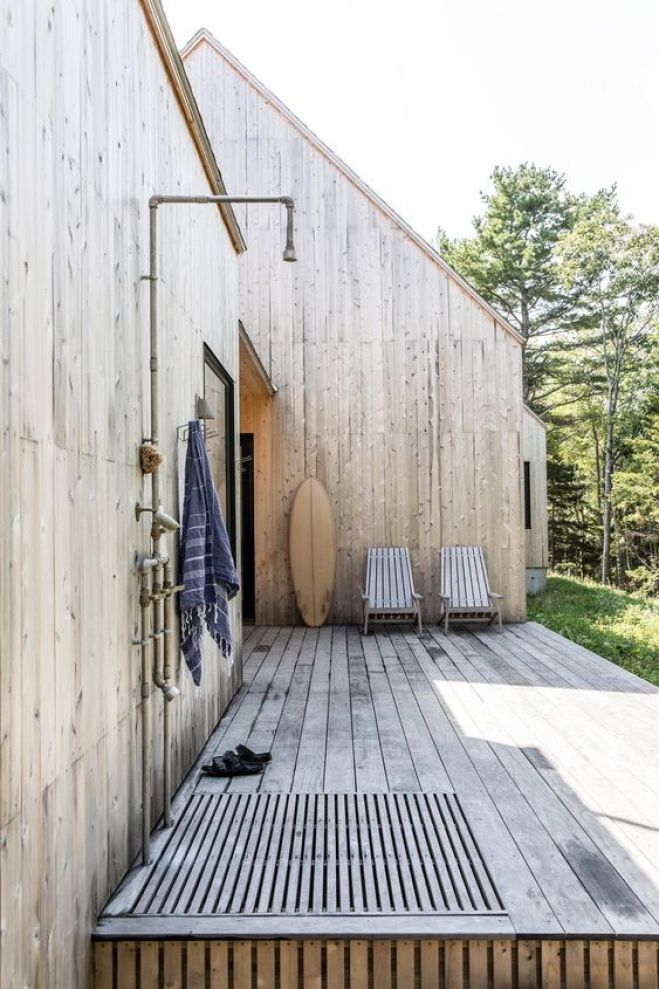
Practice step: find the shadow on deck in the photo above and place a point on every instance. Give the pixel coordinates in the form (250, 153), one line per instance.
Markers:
(470, 806)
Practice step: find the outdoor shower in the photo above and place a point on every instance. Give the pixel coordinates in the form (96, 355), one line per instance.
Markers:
(157, 588)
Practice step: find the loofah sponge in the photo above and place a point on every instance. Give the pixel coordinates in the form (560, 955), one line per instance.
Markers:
(151, 458)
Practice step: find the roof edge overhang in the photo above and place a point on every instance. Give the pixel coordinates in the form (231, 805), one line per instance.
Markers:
(204, 35)
(162, 34)
(266, 384)
(534, 415)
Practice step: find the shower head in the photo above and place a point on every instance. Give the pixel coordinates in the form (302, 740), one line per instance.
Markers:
(289, 250)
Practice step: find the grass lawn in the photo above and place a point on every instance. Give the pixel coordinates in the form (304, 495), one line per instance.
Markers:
(620, 626)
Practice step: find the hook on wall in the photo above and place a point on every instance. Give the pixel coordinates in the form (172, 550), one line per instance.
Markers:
(204, 413)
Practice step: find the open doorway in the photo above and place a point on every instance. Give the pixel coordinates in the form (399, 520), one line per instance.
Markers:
(256, 528)
(247, 526)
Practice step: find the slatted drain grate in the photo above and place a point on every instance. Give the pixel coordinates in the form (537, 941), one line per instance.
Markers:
(320, 854)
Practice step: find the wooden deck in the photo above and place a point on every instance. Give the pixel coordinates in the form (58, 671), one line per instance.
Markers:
(549, 753)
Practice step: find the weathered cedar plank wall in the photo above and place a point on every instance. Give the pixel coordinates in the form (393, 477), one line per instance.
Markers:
(535, 451)
(89, 129)
(396, 387)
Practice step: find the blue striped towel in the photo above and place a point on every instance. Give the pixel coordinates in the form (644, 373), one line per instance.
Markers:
(206, 561)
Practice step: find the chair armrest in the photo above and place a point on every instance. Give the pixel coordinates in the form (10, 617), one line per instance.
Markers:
(365, 597)
(445, 597)
(419, 597)
(493, 595)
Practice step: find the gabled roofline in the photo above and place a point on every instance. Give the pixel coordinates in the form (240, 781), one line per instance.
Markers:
(204, 35)
(534, 415)
(173, 63)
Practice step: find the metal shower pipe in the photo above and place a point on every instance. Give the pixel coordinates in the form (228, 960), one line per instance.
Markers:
(145, 642)
(161, 588)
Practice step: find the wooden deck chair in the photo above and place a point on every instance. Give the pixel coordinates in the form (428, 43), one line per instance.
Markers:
(466, 594)
(389, 594)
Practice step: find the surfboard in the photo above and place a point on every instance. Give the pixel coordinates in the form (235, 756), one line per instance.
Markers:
(312, 551)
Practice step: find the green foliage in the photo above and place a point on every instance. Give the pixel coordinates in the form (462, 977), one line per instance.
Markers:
(511, 259)
(580, 281)
(620, 626)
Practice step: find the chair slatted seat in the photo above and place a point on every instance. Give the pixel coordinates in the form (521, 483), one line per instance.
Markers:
(465, 589)
(389, 594)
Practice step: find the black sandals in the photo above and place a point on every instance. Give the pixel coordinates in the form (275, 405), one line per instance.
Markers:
(249, 756)
(242, 762)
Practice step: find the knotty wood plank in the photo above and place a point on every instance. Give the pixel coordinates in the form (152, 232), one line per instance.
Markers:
(311, 964)
(478, 974)
(429, 963)
(359, 965)
(575, 961)
(335, 964)
(149, 963)
(600, 965)
(195, 965)
(551, 965)
(242, 965)
(288, 964)
(623, 967)
(103, 965)
(648, 971)
(382, 964)
(527, 964)
(404, 964)
(172, 964)
(454, 964)
(265, 964)
(219, 964)
(502, 964)
(127, 964)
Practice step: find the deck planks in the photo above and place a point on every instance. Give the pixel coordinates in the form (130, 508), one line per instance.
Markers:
(509, 721)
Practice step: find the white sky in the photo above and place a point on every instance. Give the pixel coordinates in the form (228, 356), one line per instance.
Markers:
(423, 98)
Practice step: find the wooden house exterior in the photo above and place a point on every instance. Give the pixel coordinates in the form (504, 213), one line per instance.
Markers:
(96, 115)
(397, 386)
(370, 365)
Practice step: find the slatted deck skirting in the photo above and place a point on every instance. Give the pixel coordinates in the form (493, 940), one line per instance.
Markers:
(376, 964)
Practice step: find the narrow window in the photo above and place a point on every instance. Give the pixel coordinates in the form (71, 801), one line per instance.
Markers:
(527, 494)
(218, 391)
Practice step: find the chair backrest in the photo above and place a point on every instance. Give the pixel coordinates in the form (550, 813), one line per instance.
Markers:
(388, 581)
(464, 577)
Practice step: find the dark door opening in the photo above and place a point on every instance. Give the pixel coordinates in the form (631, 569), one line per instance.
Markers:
(247, 526)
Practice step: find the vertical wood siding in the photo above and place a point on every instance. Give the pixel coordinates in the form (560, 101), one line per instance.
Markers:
(89, 129)
(396, 388)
